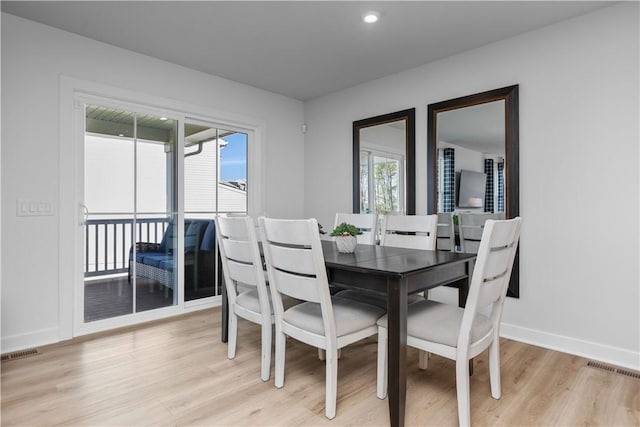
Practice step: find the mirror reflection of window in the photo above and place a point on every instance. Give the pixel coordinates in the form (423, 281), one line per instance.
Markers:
(382, 168)
(364, 182)
(381, 182)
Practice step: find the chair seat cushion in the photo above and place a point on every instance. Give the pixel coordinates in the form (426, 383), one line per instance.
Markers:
(250, 300)
(374, 299)
(140, 256)
(157, 260)
(350, 316)
(436, 322)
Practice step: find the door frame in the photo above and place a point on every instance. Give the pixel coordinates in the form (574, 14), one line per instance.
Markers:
(73, 94)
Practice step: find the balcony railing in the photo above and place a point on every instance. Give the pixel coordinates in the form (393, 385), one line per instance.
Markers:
(108, 241)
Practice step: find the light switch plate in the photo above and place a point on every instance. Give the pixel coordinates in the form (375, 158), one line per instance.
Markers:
(34, 207)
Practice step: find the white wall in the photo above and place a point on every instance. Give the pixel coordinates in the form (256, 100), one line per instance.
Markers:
(33, 59)
(579, 285)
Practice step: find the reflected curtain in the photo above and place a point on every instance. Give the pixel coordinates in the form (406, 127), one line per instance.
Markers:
(500, 186)
(449, 175)
(489, 193)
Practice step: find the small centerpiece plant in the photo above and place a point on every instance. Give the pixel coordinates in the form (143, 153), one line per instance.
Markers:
(345, 235)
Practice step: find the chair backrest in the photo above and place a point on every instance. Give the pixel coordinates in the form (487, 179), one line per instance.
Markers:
(367, 223)
(446, 233)
(295, 265)
(470, 226)
(168, 242)
(209, 237)
(240, 255)
(193, 232)
(194, 235)
(491, 273)
(410, 231)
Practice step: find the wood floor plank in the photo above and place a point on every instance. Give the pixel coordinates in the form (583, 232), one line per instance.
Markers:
(176, 372)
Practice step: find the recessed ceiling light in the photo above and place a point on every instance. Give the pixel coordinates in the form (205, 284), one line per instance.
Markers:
(371, 17)
(163, 118)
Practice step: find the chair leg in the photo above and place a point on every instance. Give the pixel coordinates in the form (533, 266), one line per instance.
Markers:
(382, 363)
(281, 344)
(423, 359)
(494, 368)
(321, 353)
(266, 352)
(331, 383)
(462, 389)
(233, 335)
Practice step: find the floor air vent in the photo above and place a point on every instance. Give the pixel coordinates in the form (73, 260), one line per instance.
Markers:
(20, 354)
(604, 367)
(632, 374)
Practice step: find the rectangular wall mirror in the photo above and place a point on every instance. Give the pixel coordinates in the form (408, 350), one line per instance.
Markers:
(384, 163)
(472, 163)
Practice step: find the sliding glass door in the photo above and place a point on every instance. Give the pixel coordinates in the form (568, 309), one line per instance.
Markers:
(215, 181)
(130, 254)
(149, 187)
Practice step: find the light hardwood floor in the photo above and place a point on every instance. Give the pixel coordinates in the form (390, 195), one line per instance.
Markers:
(176, 373)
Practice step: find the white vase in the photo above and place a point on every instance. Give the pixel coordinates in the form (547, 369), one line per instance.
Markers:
(346, 244)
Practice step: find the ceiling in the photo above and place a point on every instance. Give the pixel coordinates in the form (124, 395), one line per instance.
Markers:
(302, 49)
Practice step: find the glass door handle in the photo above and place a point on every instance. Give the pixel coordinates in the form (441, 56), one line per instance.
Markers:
(83, 213)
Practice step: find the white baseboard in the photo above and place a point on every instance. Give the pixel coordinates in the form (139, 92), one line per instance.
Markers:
(590, 350)
(32, 339)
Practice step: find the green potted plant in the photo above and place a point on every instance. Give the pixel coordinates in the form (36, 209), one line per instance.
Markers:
(345, 236)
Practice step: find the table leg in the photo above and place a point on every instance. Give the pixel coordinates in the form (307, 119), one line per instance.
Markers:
(463, 292)
(224, 326)
(397, 349)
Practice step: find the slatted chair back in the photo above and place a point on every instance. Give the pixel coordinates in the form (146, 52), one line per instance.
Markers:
(240, 255)
(491, 274)
(294, 259)
(367, 223)
(470, 226)
(446, 234)
(242, 264)
(410, 231)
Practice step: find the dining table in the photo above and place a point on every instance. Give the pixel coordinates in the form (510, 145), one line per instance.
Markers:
(394, 273)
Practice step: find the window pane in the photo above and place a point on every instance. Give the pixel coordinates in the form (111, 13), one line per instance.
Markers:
(155, 149)
(215, 180)
(232, 191)
(200, 169)
(109, 147)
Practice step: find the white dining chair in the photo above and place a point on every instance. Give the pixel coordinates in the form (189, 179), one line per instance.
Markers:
(295, 264)
(244, 277)
(366, 223)
(461, 334)
(470, 227)
(446, 235)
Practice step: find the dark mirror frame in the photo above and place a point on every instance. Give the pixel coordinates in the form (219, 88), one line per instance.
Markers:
(410, 160)
(512, 154)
